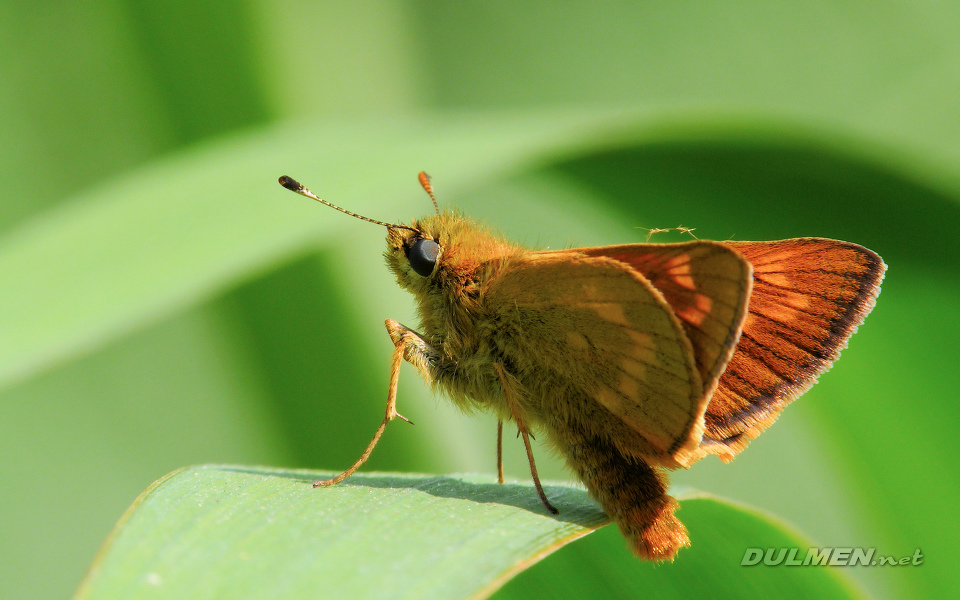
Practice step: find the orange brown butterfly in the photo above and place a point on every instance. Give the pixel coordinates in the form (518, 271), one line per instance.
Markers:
(630, 359)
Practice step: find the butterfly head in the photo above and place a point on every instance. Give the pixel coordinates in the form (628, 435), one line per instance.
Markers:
(446, 257)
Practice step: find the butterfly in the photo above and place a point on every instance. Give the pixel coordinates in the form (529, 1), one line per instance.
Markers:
(630, 359)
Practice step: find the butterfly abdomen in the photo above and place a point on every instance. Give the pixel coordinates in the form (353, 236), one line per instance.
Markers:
(633, 495)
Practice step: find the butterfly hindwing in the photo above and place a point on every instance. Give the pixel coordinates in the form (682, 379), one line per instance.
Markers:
(809, 295)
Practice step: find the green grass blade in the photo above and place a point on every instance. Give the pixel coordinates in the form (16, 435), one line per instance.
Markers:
(139, 249)
(248, 532)
(238, 532)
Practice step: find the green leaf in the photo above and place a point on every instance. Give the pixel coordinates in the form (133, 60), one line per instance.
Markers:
(241, 532)
(144, 247)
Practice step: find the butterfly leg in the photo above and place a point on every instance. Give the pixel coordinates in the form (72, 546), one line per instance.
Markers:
(407, 345)
(533, 473)
(499, 450)
(508, 384)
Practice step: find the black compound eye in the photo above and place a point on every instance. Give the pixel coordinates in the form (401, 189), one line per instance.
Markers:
(423, 256)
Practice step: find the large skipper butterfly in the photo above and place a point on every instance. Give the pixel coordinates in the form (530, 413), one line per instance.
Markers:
(630, 359)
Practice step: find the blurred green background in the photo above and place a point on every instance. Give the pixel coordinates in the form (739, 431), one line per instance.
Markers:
(164, 302)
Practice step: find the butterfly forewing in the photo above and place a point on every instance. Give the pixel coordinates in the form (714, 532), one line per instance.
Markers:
(618, 343)
(809, 295)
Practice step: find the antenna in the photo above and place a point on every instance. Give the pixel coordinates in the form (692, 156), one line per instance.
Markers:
(425, 182)
(295, 186)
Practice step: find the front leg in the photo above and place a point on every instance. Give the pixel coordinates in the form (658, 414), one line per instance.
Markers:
(428, 360)
(409, 346)
(416, 350)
